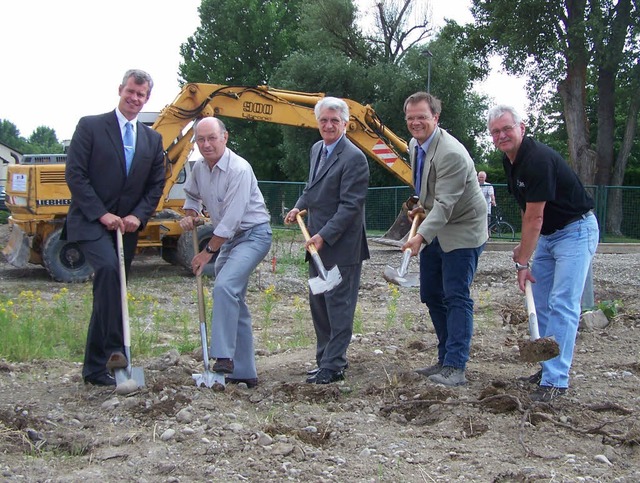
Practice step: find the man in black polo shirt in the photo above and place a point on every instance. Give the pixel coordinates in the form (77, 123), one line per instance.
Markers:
(557, 222)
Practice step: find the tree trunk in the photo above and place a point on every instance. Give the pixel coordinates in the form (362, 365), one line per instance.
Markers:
(614, 210)
(572, 90)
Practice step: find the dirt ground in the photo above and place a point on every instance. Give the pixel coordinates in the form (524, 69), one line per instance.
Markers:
(383, 423)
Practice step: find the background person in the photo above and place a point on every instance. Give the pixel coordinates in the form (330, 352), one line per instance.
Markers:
(225, 184)
(487, 191)
(334, 198)
(558, 224)
(454, 233)
(115, 183)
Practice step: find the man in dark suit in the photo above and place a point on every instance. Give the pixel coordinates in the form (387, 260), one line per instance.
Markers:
(334, 199)
(115, 171)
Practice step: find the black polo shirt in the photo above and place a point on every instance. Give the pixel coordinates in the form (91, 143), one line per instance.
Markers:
(540, 174)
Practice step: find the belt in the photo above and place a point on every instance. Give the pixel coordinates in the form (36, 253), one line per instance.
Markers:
(583, 216)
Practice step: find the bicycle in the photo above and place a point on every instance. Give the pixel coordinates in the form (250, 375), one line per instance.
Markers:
(499, 227)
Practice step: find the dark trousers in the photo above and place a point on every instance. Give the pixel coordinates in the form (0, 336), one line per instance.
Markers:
(332, 314)
(445, 281)
(105, 327)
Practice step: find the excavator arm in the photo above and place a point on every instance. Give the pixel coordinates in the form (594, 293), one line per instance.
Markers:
(277, 106)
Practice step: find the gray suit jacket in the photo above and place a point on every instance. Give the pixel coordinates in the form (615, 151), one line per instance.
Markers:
(335, 201)
(455, 209)
(96, 175)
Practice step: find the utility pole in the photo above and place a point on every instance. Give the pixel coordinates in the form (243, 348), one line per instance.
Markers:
(428, 55)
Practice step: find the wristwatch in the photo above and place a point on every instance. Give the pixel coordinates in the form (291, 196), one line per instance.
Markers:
(208, 249)
(522, 267)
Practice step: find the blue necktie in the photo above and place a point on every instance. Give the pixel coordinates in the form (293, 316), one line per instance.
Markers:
(418, 171)
(129, 145)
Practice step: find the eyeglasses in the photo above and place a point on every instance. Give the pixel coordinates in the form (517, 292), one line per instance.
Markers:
(505, 130)
(421, 118)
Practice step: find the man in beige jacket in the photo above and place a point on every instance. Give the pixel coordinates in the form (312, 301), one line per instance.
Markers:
(453, 233)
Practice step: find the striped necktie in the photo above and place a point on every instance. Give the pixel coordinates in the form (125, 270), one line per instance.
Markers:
(418, 168)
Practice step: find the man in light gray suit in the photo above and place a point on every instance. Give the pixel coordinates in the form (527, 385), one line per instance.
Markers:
(454, 233)
(334, 199)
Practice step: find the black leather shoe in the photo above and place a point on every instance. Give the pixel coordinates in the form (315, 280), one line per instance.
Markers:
(100, 380)
(314, 371)
(533, 379)
(327, 376)
(251, 383)
(223, 365)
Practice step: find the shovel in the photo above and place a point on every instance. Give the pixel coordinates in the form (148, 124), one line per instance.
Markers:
(208, 378)
(326, 280)
(126, 374)
(400, 276)
(537, 349)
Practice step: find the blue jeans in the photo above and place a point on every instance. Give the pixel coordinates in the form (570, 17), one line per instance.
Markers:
(445, 281)
(231, 332)
(560, 265)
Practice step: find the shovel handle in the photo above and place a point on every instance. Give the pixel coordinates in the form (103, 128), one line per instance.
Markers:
(123, 292)
(305, 232)
(196, 250)
(531, 310)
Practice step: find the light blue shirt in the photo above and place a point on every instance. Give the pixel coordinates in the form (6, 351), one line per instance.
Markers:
(229, 192)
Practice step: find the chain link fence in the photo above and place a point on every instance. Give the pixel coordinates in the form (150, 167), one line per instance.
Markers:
(616, 207)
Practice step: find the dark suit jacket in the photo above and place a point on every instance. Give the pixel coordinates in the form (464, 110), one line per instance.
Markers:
(96, 175)
(335, 201)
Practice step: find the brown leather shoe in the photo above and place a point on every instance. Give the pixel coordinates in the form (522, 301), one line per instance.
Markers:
(117, 360)
(223, 365)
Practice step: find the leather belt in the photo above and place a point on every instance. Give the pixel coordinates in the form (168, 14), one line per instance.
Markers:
(571, 220)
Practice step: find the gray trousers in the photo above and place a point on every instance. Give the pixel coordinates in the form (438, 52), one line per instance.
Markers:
(231, 331)
(332, 314)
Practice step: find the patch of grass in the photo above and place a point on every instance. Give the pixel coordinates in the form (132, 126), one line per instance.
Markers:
(54, 326)
(392, 307)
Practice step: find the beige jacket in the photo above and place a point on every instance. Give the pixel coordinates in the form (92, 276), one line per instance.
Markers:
(455, 209)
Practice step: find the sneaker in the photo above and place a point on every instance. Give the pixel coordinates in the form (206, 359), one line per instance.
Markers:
(547, 393)
(535, 379)
(449, 376)
(430, 370)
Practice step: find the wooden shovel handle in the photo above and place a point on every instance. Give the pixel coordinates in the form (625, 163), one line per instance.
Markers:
(417, 219)
(305, 232)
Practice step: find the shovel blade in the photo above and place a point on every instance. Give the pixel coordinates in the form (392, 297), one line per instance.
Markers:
(393, 276)
(137, 374)
(209, 379)
(319, 285)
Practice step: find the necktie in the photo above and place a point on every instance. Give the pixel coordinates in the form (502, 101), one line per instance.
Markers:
(418, 171)
(323, 158)
(129, 144)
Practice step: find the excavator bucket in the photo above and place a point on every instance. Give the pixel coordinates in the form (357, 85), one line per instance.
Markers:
(17, 250)
(398, 233)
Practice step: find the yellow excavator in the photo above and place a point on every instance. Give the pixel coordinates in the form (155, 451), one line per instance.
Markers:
(38, 197)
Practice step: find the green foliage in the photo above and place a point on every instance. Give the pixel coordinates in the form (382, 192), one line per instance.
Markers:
(42, 140)
(610, 308)
(318, 47)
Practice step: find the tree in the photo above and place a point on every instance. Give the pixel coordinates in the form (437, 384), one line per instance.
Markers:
(240, 42)
(557, 43)
(44, 140)
(350, 64)
(10, 135)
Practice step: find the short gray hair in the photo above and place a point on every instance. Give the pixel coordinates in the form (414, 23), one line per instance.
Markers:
(501, 109)
(334, 104)
(140, 77)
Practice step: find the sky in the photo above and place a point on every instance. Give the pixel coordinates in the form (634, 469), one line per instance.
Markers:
(64, 59)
